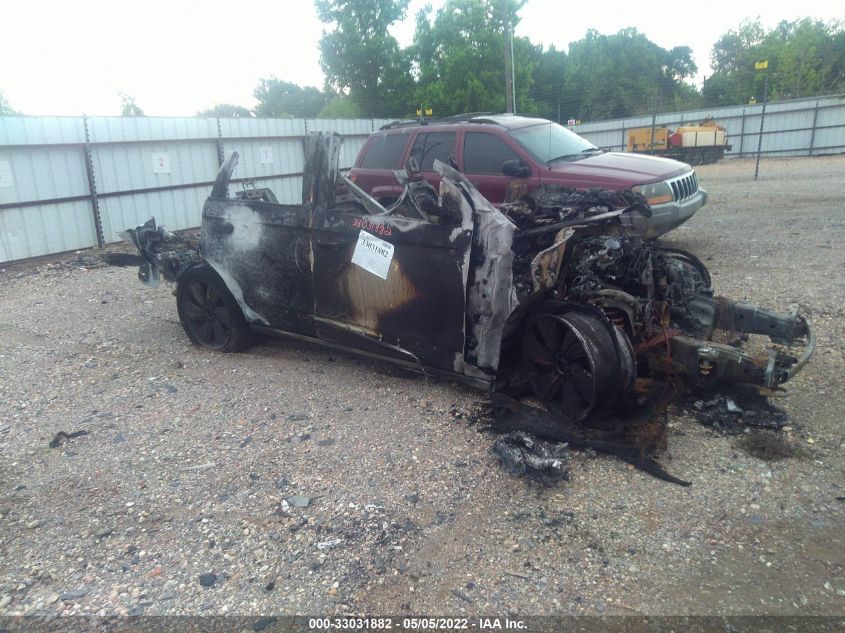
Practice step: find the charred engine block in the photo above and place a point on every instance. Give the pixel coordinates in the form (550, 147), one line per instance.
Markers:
(642, 288)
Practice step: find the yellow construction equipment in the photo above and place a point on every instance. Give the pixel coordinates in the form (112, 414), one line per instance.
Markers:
(695, 143)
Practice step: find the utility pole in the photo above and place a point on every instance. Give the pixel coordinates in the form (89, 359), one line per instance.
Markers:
(509, 105)
(764, 65)
(513, 77)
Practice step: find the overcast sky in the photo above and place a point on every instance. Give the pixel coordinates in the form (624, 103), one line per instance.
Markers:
(177, 57)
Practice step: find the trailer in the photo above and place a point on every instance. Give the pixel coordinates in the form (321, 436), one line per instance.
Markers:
(695, 143)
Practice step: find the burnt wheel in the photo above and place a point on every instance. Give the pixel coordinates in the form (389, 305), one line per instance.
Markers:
(209, 314)
(573, 362)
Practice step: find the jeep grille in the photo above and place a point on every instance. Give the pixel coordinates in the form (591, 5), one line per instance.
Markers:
(684, 187)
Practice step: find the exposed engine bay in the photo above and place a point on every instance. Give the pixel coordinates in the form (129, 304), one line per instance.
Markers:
(659, 314)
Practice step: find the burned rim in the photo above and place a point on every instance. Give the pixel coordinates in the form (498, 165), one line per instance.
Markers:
(573, 362)
(206, 313)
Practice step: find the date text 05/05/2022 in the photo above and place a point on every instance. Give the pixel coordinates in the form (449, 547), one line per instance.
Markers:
(416, 624)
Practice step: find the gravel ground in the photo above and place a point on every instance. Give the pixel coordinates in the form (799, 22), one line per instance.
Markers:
(182, 497)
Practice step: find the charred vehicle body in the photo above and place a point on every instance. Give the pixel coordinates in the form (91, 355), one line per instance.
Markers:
(547, 297)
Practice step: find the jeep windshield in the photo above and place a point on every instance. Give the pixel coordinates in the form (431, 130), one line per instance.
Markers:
(550, 142)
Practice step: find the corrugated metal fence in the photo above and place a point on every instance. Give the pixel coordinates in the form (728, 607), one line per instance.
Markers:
(801, 127)
(74, 182)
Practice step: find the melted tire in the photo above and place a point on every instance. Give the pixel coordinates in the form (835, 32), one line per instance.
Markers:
(209, 313)
(574, 363)
(627, 363)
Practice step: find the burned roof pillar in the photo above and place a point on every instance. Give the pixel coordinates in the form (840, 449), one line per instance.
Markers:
(322, 151)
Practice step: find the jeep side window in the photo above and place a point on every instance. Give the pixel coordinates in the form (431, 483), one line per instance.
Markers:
(485, 153)
(433, 145)
(384, 152)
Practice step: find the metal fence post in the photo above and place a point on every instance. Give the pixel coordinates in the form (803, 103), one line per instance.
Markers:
(742, 134)
(813, 131)
(220, 156)
(653, 125)
(762, 118)
(92, 185)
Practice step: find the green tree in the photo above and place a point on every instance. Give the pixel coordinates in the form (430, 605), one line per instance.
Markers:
(809, 57)
(226, 110)
(360, 58)
(459, 57)
(5, 108)
(340, 107)
(733, 57)
(277, 98)
(805, 57)
(128, 107)
(611, 76)
(547, 89)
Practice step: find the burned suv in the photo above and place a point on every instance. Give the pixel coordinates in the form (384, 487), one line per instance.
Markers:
(546, 297)
(507, 156)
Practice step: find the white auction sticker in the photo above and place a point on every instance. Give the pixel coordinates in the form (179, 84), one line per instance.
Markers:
(373, 255)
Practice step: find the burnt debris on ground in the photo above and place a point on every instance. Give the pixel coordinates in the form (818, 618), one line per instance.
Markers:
(634, 438)
(522, 454)
(732, 409)
(77, 261)
(478, 414)
(637, 435)
(63, 436)
(122, 260)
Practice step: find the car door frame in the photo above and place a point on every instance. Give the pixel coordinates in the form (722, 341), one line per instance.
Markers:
(261, 250)
(511, 186)
(419, 312)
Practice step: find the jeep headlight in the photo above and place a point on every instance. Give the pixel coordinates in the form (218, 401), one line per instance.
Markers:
(656, 192)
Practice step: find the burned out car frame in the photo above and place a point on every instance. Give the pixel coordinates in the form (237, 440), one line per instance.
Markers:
(546, 296)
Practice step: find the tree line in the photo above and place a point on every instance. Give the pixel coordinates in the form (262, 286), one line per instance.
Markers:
(456, 64)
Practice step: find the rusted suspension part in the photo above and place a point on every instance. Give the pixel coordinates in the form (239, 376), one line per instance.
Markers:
(577, 362)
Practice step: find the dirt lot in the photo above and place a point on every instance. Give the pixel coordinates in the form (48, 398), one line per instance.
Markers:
(173, 502)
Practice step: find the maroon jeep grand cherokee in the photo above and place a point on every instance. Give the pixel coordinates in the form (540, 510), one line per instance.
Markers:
(507, 154)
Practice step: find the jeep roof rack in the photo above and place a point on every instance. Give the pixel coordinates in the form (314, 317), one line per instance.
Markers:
(403, 123)
(468, 117)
